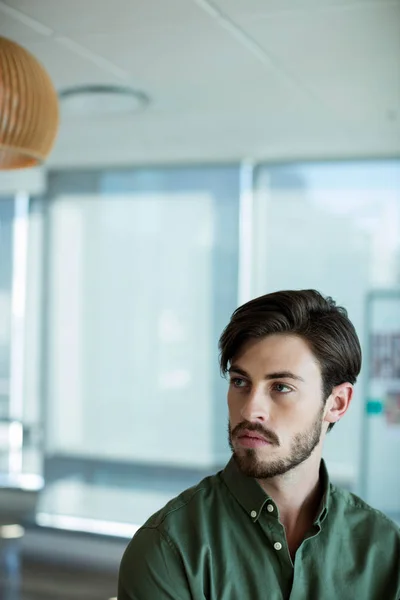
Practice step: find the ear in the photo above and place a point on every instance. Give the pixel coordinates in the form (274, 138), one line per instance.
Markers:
(338, 402)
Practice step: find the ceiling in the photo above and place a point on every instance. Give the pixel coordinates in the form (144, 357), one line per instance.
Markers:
(228, 79)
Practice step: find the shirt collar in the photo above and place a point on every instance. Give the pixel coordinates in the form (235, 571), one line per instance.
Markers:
(326, 494)
(252, 497)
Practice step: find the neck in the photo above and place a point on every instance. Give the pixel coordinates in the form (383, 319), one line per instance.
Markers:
(297, 494)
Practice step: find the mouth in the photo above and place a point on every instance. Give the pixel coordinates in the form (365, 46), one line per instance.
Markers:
(252, 439)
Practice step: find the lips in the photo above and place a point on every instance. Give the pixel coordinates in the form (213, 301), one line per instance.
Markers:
(252, 440)
(253, 435)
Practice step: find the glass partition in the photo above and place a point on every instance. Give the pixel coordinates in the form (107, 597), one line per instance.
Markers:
(132, 275)
(20, 457)
(336, 227)
(140, 277)
(6, 261)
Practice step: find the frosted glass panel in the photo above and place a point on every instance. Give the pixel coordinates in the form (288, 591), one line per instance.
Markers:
(133, 323)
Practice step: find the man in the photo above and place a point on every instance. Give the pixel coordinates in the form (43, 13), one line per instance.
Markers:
(271, 526)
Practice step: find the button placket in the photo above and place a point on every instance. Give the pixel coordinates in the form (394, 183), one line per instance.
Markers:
(277, 537)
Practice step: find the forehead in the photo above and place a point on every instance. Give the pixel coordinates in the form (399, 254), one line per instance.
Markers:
(278, 353)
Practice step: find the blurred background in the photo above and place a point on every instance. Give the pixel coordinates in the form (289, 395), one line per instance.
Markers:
(209, 152)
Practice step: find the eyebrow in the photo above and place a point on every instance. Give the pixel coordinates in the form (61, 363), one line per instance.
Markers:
(269, 376)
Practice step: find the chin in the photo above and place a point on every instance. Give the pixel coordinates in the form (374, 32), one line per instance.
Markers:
(253, 465)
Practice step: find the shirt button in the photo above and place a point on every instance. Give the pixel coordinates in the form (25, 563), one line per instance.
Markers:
(253, 514)
(278, 546)
(270, 508)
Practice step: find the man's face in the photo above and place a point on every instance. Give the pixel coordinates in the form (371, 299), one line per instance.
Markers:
(276, 409)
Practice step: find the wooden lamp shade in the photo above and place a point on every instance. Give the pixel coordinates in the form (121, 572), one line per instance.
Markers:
(29, 114)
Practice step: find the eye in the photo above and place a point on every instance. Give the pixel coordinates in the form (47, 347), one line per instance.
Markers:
(238, 382)
(282, 388)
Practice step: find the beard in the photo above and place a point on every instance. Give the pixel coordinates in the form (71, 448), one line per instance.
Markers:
(302, 446)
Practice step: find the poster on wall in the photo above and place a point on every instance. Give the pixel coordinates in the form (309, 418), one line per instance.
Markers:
(385, 355)
(392, 408)
(385, 371)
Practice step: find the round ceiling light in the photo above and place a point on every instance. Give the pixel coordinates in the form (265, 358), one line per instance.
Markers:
(101, 100)
(28, 108)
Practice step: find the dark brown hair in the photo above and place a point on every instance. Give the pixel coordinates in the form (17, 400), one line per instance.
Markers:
(324, 326)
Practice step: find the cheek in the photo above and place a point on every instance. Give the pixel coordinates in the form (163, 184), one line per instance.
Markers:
(233, 407)
(300, 419)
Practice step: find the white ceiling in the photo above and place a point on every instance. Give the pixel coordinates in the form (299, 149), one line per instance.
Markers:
(228, 79)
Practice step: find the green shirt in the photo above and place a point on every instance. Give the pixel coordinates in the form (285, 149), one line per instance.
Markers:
(222, 540)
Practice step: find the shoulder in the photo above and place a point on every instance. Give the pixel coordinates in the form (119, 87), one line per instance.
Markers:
(183, 515)
(191, 502)
(153, 560)
(361, 515)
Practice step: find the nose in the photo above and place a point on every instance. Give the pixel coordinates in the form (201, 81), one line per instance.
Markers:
(256, 408)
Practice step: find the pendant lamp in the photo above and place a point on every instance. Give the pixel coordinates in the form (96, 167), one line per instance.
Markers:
(29, 114)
